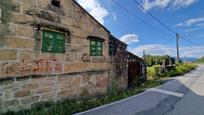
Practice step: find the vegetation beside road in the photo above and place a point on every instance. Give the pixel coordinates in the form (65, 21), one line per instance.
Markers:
(74, 106)
(158, 60)
(165, 66)
(180, 69)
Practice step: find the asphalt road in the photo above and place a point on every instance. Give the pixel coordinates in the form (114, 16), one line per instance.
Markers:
(182, 95)
(193, 101)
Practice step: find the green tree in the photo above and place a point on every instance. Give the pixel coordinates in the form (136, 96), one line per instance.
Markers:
(158, 60)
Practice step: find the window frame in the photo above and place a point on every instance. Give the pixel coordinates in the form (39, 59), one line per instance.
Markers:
(113, 52)
(96, 46)
(55, 33)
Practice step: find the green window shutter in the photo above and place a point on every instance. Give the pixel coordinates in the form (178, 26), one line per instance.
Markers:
(53, 42)
(96, 48)
(47, 42)
(112, 49)
(93, 42)
(59, 43)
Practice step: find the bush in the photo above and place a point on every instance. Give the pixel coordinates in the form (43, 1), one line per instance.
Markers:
(180, 69)
(185, 68)
(153, 71)
(172, 73)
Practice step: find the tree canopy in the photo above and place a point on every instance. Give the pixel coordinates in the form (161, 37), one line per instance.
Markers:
(158, 60)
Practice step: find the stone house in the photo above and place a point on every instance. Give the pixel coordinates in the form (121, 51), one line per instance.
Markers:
(53, 50)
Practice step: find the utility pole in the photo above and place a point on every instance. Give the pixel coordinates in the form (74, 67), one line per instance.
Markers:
(144, 54)
(144, 68)
(177, 47)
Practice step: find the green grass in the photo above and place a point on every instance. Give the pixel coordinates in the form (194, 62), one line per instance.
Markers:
(69, 107)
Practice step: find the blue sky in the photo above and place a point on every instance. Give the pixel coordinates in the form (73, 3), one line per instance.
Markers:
(142, 32)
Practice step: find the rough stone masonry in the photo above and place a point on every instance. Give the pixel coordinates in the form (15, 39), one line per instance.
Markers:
(0, 14)
(52, 50)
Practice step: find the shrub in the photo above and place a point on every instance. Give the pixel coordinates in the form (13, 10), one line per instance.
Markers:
(153, 71)
(185, 68)
(172, 73)
(180, 69)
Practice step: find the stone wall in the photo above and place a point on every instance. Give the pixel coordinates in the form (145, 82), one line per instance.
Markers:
(29, 76)
(29, 91)
(118, 64)
(21, 51)
(0, 14)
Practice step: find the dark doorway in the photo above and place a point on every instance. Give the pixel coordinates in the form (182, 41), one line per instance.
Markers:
(136, 69)
(133, 72)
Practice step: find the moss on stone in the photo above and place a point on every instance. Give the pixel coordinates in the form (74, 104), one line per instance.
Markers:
(6, 6)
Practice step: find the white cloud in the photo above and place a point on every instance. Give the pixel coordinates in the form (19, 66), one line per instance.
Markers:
(187, 34)
(183, 3)
(196, 51)
(114, 16)
(190, 22)
(130, 38)
(178, 25)
(158, 49)
(95, 9)
(174, 4)
(194, 21)
(149, 4)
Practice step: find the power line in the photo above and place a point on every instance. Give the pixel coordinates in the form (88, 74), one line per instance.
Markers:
(166, 42)
(164, 25)
(153, 27)
(140, 19)
(187, 40)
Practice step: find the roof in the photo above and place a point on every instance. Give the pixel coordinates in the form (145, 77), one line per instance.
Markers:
(114, 38)
(131, 55)
(111, 36)
(90, 15)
